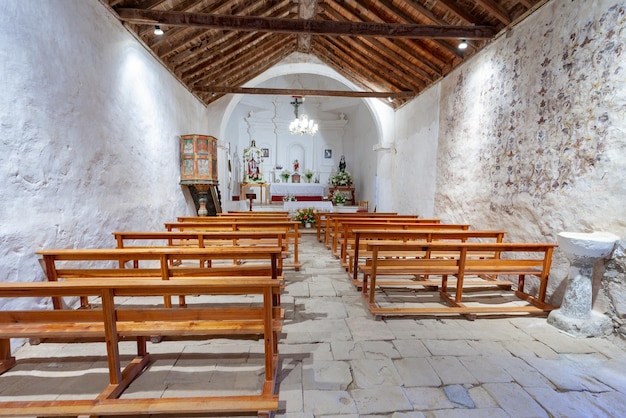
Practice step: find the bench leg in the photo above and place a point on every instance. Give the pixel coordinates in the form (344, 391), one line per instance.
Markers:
(6, 360)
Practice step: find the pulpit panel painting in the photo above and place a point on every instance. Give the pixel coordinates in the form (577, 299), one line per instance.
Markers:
(198, 155)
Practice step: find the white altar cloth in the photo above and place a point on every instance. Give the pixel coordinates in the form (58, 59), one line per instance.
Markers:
(323, 206)
(297, 189)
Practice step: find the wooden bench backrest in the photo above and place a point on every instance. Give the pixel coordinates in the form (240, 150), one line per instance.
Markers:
(112, 323)
(333, 224)
(342, 225)
(226, 224)
(61, 263)
(322, 218)
(347, 229)
(201, 239)
(362, 237)
(234, 216)
(506, 259)
(254, 213)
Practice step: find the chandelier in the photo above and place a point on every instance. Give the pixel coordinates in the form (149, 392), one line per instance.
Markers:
(301, 125)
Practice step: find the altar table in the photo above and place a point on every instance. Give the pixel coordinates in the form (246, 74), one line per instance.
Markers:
(302, 191)
(323, 206)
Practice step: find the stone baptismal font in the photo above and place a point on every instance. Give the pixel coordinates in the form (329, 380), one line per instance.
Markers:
(575, 316)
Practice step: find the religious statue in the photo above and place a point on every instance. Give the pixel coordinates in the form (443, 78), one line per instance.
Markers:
(296, 165)
(253, 164)
(342, 163)
(252, 167)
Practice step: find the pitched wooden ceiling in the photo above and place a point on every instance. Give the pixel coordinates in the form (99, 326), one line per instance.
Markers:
(389, 48)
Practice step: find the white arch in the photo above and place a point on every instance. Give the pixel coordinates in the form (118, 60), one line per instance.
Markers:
(382, 114)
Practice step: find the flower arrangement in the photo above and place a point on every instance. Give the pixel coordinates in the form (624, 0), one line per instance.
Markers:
(306, 216)
(255, 177)
(285, 175)
(339, 198)
(308, 174)
(341, 178)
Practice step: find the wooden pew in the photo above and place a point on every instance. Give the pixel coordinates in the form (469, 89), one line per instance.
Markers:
(357, 254)
(339, 225)
(507, 260)
(284, 214)
(330, 219)
(112, 323)
(348, 237)
(202, 239)
(213, 223)
(237, 215)
(69, 264)
(322, 218)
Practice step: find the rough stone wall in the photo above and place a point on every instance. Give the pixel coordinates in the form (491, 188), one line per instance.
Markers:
(532, 133)
(614, 288)
(89, 126)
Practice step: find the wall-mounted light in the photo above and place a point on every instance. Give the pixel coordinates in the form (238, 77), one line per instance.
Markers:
(158, 30)
(463, 45)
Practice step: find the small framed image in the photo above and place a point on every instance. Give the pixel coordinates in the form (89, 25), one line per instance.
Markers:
(328, 153)
(265, 152)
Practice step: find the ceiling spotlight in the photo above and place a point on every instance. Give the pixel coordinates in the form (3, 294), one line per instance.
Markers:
(158, 30)
(390, 99)
(463, 44)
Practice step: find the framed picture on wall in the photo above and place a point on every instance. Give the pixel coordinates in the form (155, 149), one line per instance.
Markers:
(328, 153)
(265, 152)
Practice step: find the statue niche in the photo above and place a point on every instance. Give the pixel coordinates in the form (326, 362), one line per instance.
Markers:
(253, 164)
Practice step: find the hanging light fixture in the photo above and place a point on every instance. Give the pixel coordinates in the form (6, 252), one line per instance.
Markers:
(158, 31)
(301, 125)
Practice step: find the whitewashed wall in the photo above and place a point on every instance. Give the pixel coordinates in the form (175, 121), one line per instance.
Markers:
(361, 160)
(531, 134)
(89, 126)
(415, 168)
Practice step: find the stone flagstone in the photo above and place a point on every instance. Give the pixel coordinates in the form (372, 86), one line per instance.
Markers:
(337, 361)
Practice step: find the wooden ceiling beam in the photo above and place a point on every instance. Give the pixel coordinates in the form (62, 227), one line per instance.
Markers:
(405, 60)
(306, 92)
(404, 47)
(459, 12)
(425, 15)
(358, 67)
(214, 43)
(426, 46)
(176, 39)
(496, 10)
(259, 66)
(278, 46)
(314, 27)
(307, 9)
(379, 63)
(222, 57)
(334, 62)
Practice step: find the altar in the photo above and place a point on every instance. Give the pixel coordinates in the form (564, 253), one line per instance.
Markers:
(301, 191)
(320, 206)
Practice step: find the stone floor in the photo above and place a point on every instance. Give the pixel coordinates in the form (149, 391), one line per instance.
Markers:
(337, 361)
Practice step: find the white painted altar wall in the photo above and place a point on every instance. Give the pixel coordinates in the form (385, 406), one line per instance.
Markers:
(89, 127)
